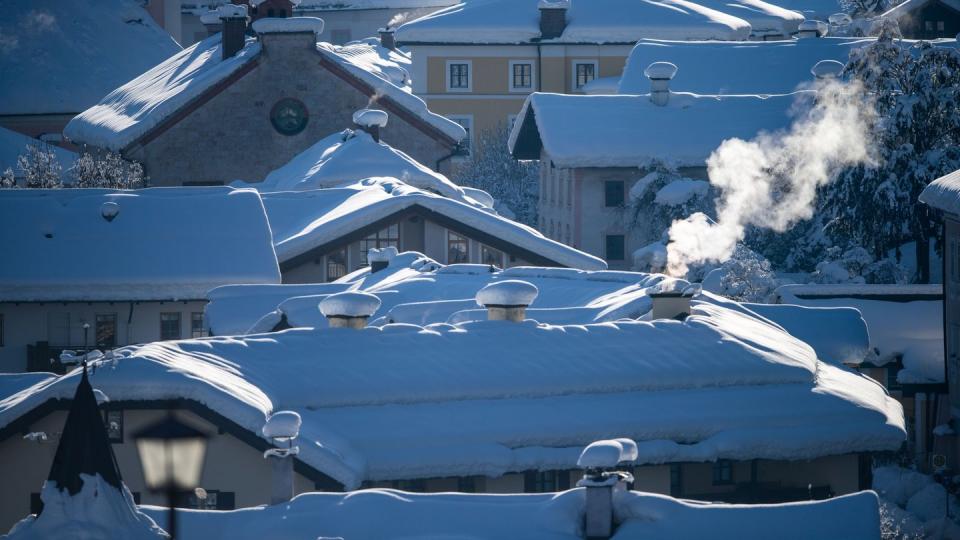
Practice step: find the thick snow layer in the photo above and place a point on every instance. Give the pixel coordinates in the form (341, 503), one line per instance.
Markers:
(911, 331)
(13, 144)
(766, 19)
(838, 334)
(301, 221)
(631, 131)
(371, 118)
(594, 21)
(489, 398)
(282, 425)
(233, 309)
(910, 6)
(812, 9)
(58, 246)
(510, 292)
(138, 106)
(350, 156)
(11, 383)
(97, 512)
(944, 193)
(337, 5)
(62, 57)
(681, 191)
(288, 25)
(601, 455)
(350, 304)
(728, 68)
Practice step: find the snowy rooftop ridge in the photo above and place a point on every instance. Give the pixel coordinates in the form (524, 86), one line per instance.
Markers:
(575, 384)
(944, 193)
(61, 246)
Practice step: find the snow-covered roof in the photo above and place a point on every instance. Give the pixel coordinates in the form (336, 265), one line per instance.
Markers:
(304, 220)
(489, 397)
(909, 6)
(905, 323)
(132, 110)
(595, 21)
(944, 193)
(343, 5)
(348, 157)
(755, 67)
(13, 144)
(59, 246)
(812, 9)
(766, 19)
(62, 57)
(631, 131)
(546, 516)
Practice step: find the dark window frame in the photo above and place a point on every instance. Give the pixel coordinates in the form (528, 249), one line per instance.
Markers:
(522, 78)
(486, 250)
(336, 269)
(386, 237)
(584, 75)
(722, 472)
(195, 331)
(105, 318)
(614, 193)
(179, 319)
(114, 416)
(611, 254)
(458, 75)
(455, 239)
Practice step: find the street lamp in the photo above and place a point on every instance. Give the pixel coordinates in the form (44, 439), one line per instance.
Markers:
(171, 454)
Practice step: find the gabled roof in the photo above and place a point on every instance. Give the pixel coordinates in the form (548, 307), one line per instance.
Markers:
(909, 6)
(631, 131)
(345, 5)
(62, 57)
(318, 220)
(59, 247)
(151, 101)
(944, 193)
(594, 21)
(729, 68)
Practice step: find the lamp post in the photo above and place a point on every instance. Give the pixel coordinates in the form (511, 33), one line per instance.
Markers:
(171, 454)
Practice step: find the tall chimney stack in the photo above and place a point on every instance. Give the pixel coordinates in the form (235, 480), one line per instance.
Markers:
(673, 305)
(660, 75)
(553, 18)
(349, 309)
(371, 121)
(387, 38)
(507, 300)
(234, 23)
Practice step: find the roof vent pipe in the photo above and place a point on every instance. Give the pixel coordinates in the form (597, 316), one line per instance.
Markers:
(387, 38)
(380, 258)
(827, 69)
(602, 482)
(673, 305)
(109, 210)
(507, 300)
(349, 309)
(553, 18)
(281, 427)
(371, 121)
(660, 75)
(234, 19)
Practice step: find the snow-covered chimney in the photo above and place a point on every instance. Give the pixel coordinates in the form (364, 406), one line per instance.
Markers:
(211, 21)
(387, 38)
(109, 210)
(282, 428)
(349, 309)
(234, 22)
(553, 17)
(602, 482)
(371, 121)
(507, 300)
(827, 69)
(811, 29)
(670, 305)
(660, 75)
(380, 258)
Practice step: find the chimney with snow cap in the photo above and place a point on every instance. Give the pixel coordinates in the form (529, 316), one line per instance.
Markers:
(380, 258)
(672, 300)
(599, 461)
(553, 18)
(282, 427)
(387, 38)
(827, 69)
(371, 121)
(660, 75)
(349, 309)
(109, 210)
(812, 29)
(507, 300)
(233, 19)
(285, 34)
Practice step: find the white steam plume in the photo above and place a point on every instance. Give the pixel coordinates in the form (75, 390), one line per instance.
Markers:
(772, 180)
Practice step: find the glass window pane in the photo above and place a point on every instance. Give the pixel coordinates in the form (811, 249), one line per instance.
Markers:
(457, 248)
(169, 326)
(106, 330)
(615, 247)
(196, 325)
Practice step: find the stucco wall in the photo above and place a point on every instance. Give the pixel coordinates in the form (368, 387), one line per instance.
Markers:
(230, 137)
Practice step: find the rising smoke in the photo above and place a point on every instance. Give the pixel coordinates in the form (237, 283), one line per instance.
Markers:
(772, 180)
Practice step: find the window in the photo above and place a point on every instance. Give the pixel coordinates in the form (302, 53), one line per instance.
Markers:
(106, 330)
(676, 480)
(418, 485)
(521, 76)
(488, 255)
(196, 325)
(540, 481)
(379, 240)
(928, 26)
(113, 421)
(340, 36)
(458, 76)
(466, 122)
(215, 500)
(940, 26)
(467, 484)
(722, 472)
(615, 247)
(584, 72)
(169, 326)
(1, 329)
(613, 193)
(457, 248)
(336, 264)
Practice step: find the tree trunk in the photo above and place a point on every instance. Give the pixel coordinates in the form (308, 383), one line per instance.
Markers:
(923, 260)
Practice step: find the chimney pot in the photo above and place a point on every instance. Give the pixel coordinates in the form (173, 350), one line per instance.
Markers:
(349, 309)
(380, 258)
(387, 38)
(371, 121)
(598, 460)
(507, 300)
(553, 18)
(670, 305)
(234, 23)
(660, 75)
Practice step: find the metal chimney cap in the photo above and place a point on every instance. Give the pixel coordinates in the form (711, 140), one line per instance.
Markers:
(661, 70)
(351, 304)
(507, 293)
